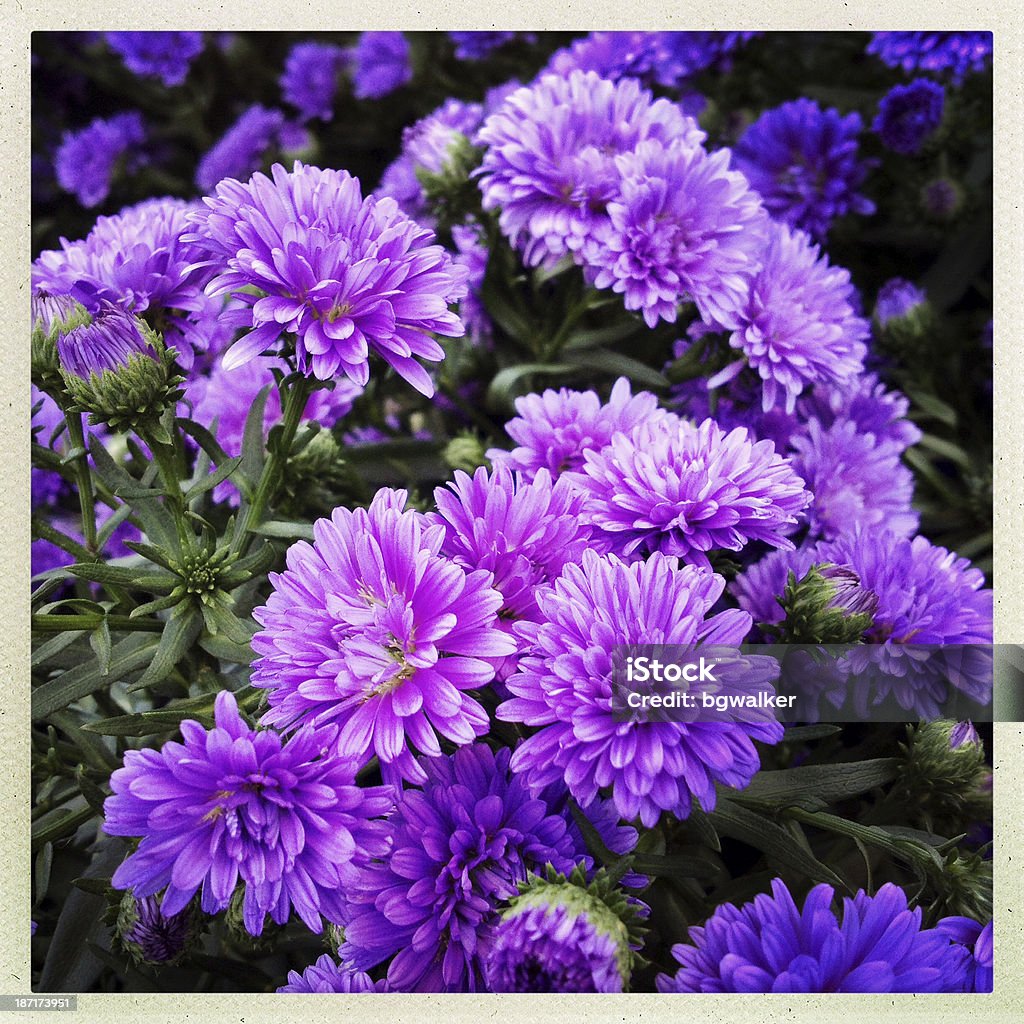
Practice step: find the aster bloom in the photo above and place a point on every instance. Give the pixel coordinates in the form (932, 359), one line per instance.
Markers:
(231, 804)
(898, 299)
(242, 149)
(685, 490)
(564, 690)
(106, 344)
(380, 64)
(343, 273)
(549, 166)
(855, 480)
(309, 81)
(327, 975)
(87, 160)
(770, 945)
(976, 942)
(164, 55)
(908, 114)
(372, 628)
(553, 430)
(460, 846)
(798, 325)
(524, 532)
(958, 53)
(137, 259)
(804, 162)
(682, 227)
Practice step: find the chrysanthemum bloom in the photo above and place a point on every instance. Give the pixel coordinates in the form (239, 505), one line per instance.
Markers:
(855, 479)
(242, 149)
(165, 55)
(770, 945)
(798, 325)
(86, 160)
(667, 59)
(460, 846)
(372, 628)
(343, 273)
(927, 595)
(137, 260)
(976, 942)
(959, 53)
(231, 804)
(908, 114)
(380, 64)
(550, 160)
(683, 227)
(564, 689)
(553, 430)
(223, 400)
(151, 938)
(477, 45)
(524, 532)
(565, 935)
(805, 164)
(685, 490)
(309, 81)
(327, 975)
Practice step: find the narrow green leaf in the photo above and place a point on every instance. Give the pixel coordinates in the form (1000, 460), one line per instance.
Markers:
(178, 637)
(44, 861)
(615, 364)
(99, 641)
(227, 650)
(285, 530)
(209, 482)
(149, 723)
(253, 442)
(815, 786)
(500, 393)
(205, 440)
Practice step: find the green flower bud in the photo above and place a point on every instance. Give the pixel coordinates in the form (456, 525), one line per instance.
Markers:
(465, 452)
(52, 316)
(827, 606)
(149, 937)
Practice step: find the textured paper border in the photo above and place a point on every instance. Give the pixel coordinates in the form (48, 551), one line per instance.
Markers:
(1007, 23)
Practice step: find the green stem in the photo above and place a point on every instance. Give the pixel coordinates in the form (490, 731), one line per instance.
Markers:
(76, 435)
(62, 623)
(293, 404)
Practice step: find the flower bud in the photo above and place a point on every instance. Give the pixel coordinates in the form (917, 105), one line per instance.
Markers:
(941, 199)
(565, 935)
(116, 368)
(827, 606)
(149, 937)
(52, 316)
(465, 452)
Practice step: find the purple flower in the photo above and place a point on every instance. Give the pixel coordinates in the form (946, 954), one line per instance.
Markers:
(107, 343)
(150, 936)
(856, 480)
(137, 259)
(167, 55)
(343, 273)
(86, 161)
(372, 628)
(961, 733)
(798, 325)
(550, 164)
(898, 299)
(667, 59)
(555, 429)
(551, 949)
(326, 975)
(770, 945)
(524, 532)
(926, 594)
(242, 149)
(310, 78)
(380, 64)
(686, 490)
(804, 162)
(959, 53)
(472, 253)
(477, 45)
(976, 942)
(908, 114)
(460, 846)
(47, 425)
(564, 690)
(283, 816)
(682, 227)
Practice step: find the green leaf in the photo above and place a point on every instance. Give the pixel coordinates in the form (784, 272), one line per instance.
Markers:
(815, 786)
(587, 338)
(44, 861)
(675, 865)
(933, 406)
(227, 650)
(99, 641)
(93, 886)
(285, 530)
(205, 440)
(500, 393)
(947, 449)
(78, 682)
(222, 622)
(149, 723)
(808, 733)
(253, 441)
(210, 481)
(776, 842)
(175, 642)
(615, 364)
